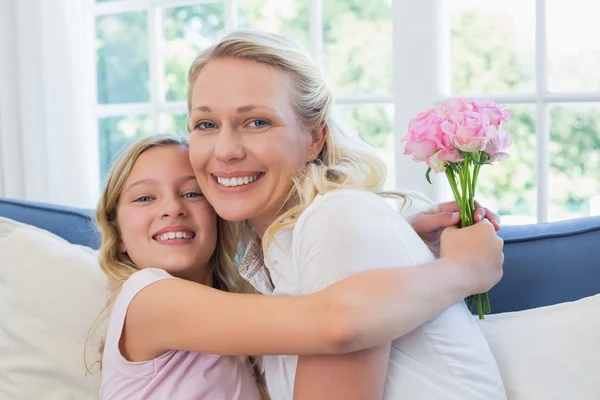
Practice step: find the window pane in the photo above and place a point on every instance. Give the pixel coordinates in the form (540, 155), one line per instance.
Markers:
(357, 39)
(287, 17)
(573, 46)
(509, 186)
(176, 123)
(115, 133)
(375, 124)
(122, 58)
(492, 45)
(574, 161)
(188, 31)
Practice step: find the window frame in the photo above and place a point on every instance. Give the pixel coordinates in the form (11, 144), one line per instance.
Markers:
(416, 85)
(426, 23)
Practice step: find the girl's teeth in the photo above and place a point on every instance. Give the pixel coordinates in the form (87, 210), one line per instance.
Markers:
(175, 235)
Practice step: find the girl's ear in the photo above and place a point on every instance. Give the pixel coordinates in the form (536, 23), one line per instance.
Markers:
(319, 135)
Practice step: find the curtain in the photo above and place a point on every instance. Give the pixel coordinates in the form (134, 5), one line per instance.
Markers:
(48, 141)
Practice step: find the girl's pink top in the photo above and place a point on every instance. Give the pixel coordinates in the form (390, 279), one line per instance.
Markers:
(175, 375)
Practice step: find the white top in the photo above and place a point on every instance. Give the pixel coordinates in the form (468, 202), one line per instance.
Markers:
(348, 231)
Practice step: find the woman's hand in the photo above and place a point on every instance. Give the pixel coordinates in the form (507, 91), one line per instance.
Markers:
(430, 224)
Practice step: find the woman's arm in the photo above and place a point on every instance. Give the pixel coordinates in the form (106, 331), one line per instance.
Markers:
(354, 376)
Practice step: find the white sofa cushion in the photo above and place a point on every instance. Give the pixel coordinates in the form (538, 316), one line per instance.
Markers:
(51, 292)
(549, 353)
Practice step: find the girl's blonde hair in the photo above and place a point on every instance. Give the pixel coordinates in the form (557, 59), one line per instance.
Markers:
(346, 161)
(118, 267)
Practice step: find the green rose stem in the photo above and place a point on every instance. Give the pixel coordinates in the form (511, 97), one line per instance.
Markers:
(462, 177)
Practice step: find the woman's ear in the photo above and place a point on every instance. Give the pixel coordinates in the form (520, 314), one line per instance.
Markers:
(319, 136)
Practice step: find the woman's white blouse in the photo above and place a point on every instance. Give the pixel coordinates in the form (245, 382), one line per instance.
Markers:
(348, 231)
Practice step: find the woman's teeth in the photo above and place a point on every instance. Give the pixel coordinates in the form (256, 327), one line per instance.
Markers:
(237, 181)
(175, 235)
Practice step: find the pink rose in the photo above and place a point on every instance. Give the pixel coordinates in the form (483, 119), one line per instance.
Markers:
(495, 148)
(420, 150)
(423, 135)
(424, 118)
(470, 131)
(435, 163)
(497, 115)
(455, 105)
(447, 150)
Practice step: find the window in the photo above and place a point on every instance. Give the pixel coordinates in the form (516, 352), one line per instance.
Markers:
(522, 53)
(387, 60)
(145, 47)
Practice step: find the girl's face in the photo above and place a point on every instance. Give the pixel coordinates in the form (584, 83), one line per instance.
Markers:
(247, 141)
(164, 220)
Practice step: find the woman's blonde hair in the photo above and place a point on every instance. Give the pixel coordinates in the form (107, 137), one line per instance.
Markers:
(345, 161)
(118, 267)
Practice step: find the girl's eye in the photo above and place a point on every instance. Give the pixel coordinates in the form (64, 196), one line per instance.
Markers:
(205, 125)
(259, 123)
(192, 195)
(143, 199)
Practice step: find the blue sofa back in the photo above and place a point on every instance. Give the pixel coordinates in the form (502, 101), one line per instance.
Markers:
(547, 264)
(72, 224)
(544, 264)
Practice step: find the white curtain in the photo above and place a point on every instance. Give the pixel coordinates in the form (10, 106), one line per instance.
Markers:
(48, 138)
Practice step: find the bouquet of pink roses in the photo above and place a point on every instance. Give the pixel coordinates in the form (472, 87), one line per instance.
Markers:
(457, 138)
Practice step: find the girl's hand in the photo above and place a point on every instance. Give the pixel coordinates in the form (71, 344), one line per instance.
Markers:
(430, 224)
(476, 250)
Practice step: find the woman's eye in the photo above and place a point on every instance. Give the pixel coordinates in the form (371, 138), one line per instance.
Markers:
(143, 199)
(259, 123)
(205, 125)
(192, 195)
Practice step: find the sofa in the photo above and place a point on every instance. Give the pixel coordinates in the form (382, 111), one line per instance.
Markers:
(547, 299)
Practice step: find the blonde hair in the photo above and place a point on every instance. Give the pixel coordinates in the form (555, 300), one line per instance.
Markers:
(345, 161)
(118, 267)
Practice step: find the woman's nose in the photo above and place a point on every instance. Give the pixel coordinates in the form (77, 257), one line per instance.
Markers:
(229, 147)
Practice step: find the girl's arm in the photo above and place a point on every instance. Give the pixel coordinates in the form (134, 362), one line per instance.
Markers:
(361, 311)
(357, 312)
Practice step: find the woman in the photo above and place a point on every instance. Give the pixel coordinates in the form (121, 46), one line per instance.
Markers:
(268, 154)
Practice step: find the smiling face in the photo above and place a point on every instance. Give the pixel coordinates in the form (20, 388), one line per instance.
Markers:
(163, 219)
(247, 142)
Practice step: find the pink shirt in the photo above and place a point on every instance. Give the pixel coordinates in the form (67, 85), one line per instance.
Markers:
(175, 375)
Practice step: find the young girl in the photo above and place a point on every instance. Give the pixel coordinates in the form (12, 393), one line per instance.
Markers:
(173, 335)
(267, 153)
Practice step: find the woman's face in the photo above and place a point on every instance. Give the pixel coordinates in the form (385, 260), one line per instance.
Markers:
(164, 220)
(247, 141)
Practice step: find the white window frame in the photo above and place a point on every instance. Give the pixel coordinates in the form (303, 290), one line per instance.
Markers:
(418, 86)
(420, 32)
(158, 106)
